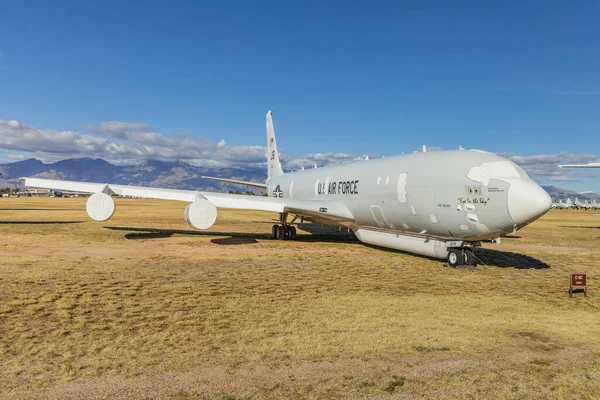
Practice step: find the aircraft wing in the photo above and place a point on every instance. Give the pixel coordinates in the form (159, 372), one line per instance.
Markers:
(233, 181)
(322, 209)
(590, 165)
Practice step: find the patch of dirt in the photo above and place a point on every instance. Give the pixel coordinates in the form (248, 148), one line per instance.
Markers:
(323, 378)
(82, 251)
(536, 342)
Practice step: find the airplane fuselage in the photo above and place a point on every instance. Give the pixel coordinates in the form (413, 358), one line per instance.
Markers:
(448, 195)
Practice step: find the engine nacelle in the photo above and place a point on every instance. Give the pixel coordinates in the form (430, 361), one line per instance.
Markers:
(201, 214)
(100, 207)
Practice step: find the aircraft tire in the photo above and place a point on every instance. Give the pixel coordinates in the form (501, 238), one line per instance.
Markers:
(280, 232)
(455, 257)
(274, 232)
(292, 233)
(469, 257)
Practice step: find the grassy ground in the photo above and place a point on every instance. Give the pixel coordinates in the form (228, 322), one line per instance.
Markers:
(143, 307)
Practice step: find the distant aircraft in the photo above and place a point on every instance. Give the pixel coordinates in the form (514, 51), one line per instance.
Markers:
(559, 205)
(594, 204)
(582, 205)
(590, 165)
(438, 204)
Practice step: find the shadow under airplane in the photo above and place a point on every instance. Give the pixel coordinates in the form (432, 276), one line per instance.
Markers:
(325, 233)
(506, 259)
(317, 234)
(40, 209)
(40, 222)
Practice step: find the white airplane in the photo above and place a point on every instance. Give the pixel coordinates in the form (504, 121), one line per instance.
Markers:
(437, 204)
(582, 205)
(569, 203)
(563, 205)
(590, 165)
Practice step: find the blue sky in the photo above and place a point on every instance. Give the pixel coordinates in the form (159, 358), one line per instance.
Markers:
(347, 79)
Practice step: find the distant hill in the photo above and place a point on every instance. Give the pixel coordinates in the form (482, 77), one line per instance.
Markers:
(175, 175)
(562, 194)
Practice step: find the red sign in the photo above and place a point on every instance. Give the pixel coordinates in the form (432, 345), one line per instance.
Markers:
(578, 280)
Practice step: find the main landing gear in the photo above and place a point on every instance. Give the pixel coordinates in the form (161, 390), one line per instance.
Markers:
(461, 256)
(284, 231)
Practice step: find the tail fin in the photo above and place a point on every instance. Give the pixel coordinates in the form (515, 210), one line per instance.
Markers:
(273, 164)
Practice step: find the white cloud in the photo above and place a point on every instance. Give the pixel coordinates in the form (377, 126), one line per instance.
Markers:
(546, 165)
(320, 159)
(563, 179)
(127, 144)
(119, 129)
(17, 157)
(1, 55)
(131, 143)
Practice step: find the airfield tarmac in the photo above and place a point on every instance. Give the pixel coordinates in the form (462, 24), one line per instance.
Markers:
(142, 307)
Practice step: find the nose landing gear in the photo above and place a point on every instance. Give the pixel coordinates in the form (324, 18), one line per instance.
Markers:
(461, 256)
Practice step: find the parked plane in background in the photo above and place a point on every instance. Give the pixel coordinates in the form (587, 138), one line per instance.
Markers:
(562, 205)
(438, 204)
(582, 205)
(587, 205)
(594, 204)
(590, 165)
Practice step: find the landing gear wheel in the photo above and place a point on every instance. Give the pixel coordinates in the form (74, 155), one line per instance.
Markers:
(455, 257)
(292, 233)
(280, 232)
(469, 257)
(274, 231)
(286, 233)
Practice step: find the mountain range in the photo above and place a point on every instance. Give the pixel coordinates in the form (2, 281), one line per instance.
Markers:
(174, 175)
(561, 194)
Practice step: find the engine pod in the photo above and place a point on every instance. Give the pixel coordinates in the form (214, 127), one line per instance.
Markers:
(201, 214)
(100, 207)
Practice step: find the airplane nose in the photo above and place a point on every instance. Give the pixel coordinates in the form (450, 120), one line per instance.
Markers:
(527, 201)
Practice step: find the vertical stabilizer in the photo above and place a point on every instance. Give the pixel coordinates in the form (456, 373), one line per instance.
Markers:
(273, 164)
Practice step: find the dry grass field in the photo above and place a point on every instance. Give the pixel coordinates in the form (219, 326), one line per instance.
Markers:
(142, 307)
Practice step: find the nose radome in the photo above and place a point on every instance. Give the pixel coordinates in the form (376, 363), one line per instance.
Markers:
(527, 200)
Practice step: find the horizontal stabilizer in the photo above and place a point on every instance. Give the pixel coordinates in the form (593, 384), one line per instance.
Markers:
(233, 181)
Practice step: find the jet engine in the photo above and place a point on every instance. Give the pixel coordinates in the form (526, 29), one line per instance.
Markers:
(201, 213)
(100, 206)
